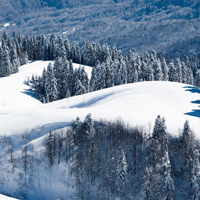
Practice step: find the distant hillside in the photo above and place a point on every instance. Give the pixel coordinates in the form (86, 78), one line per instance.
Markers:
(167, 26)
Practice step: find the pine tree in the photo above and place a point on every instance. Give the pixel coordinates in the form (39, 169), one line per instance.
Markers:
(173, 76)
(197, 79)
(177, 65)
(6, 67)
(187, 140)
(50, 147)
(64, 89)
(14, 59)
(121, 172)
(67, 48)
(158, 76)
(165, 70)
(88, 126)
(71, 79)
(195, 180)
(58, 68)
(114, 53)
(50, 85)
(190, 78)
(98, 53)
(184, 73)
(78, 87)
(150, 76)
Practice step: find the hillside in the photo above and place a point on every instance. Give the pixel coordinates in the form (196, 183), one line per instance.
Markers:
(177, 102)
(146, 24)
(26, 123)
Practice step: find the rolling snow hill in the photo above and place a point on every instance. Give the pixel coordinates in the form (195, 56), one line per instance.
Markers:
(21, 113)
(137, 104)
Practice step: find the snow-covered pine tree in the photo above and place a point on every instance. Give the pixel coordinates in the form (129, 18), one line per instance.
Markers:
(93, 78)
(150, 75)
(190, 78)
(50, 147)
(158, 76)
(173, 76)
(53, 46)
(78, 87)
(67, 48)
(58, 67)
(50, 84)
(165, 69)
(114, 53)
(64, 88)
(177, 65)
(6, 67)
(195, 180)
(62, 52)
(71, 78)
(122, 168)
(5, 39)
(14, 59)
(184, 73)
(187, 140)
(98, 53)
(98, 78)
(197, 79)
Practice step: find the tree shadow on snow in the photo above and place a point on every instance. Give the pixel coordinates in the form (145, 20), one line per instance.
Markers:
(29, 92)
(193, 89)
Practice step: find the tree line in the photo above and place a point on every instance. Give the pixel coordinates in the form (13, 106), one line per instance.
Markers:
(110, 67)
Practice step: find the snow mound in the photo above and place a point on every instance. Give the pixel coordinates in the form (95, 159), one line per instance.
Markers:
(137, 104)
(2, 197)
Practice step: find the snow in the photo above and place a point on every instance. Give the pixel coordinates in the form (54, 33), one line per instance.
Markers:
(6, 25)
(2, 197)
(137, 104)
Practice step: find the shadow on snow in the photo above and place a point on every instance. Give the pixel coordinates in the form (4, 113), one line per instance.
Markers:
(193, 89)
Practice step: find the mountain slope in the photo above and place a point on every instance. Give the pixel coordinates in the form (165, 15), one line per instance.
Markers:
(144, 25)
(26, 122)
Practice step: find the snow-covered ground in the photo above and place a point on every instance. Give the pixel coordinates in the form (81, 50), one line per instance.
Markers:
(2, 197)
(137, 104)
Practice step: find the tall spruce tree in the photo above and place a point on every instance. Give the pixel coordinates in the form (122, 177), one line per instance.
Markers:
(50, 84)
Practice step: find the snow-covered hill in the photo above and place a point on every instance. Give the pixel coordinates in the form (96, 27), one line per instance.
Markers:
(137, 104)
(21, 113)
(2, 197)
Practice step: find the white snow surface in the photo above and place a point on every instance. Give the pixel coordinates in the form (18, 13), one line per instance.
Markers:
(136, 104)
(2, 197)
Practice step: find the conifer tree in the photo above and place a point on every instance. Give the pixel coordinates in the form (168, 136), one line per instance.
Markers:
(195, 180)
(121, 172)
(14, 59)
(177, 65)
(67, 48)
(50, 85)
(6, 67)
(165, 70)
(173, 76)
(158, 76)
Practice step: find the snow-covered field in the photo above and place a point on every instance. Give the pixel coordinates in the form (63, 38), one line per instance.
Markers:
(137, 104)
(2, 197)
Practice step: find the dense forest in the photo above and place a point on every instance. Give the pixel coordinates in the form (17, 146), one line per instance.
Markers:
(110, 67)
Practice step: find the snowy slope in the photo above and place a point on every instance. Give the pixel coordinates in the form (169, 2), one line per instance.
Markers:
(2, 197)
(137, 104)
